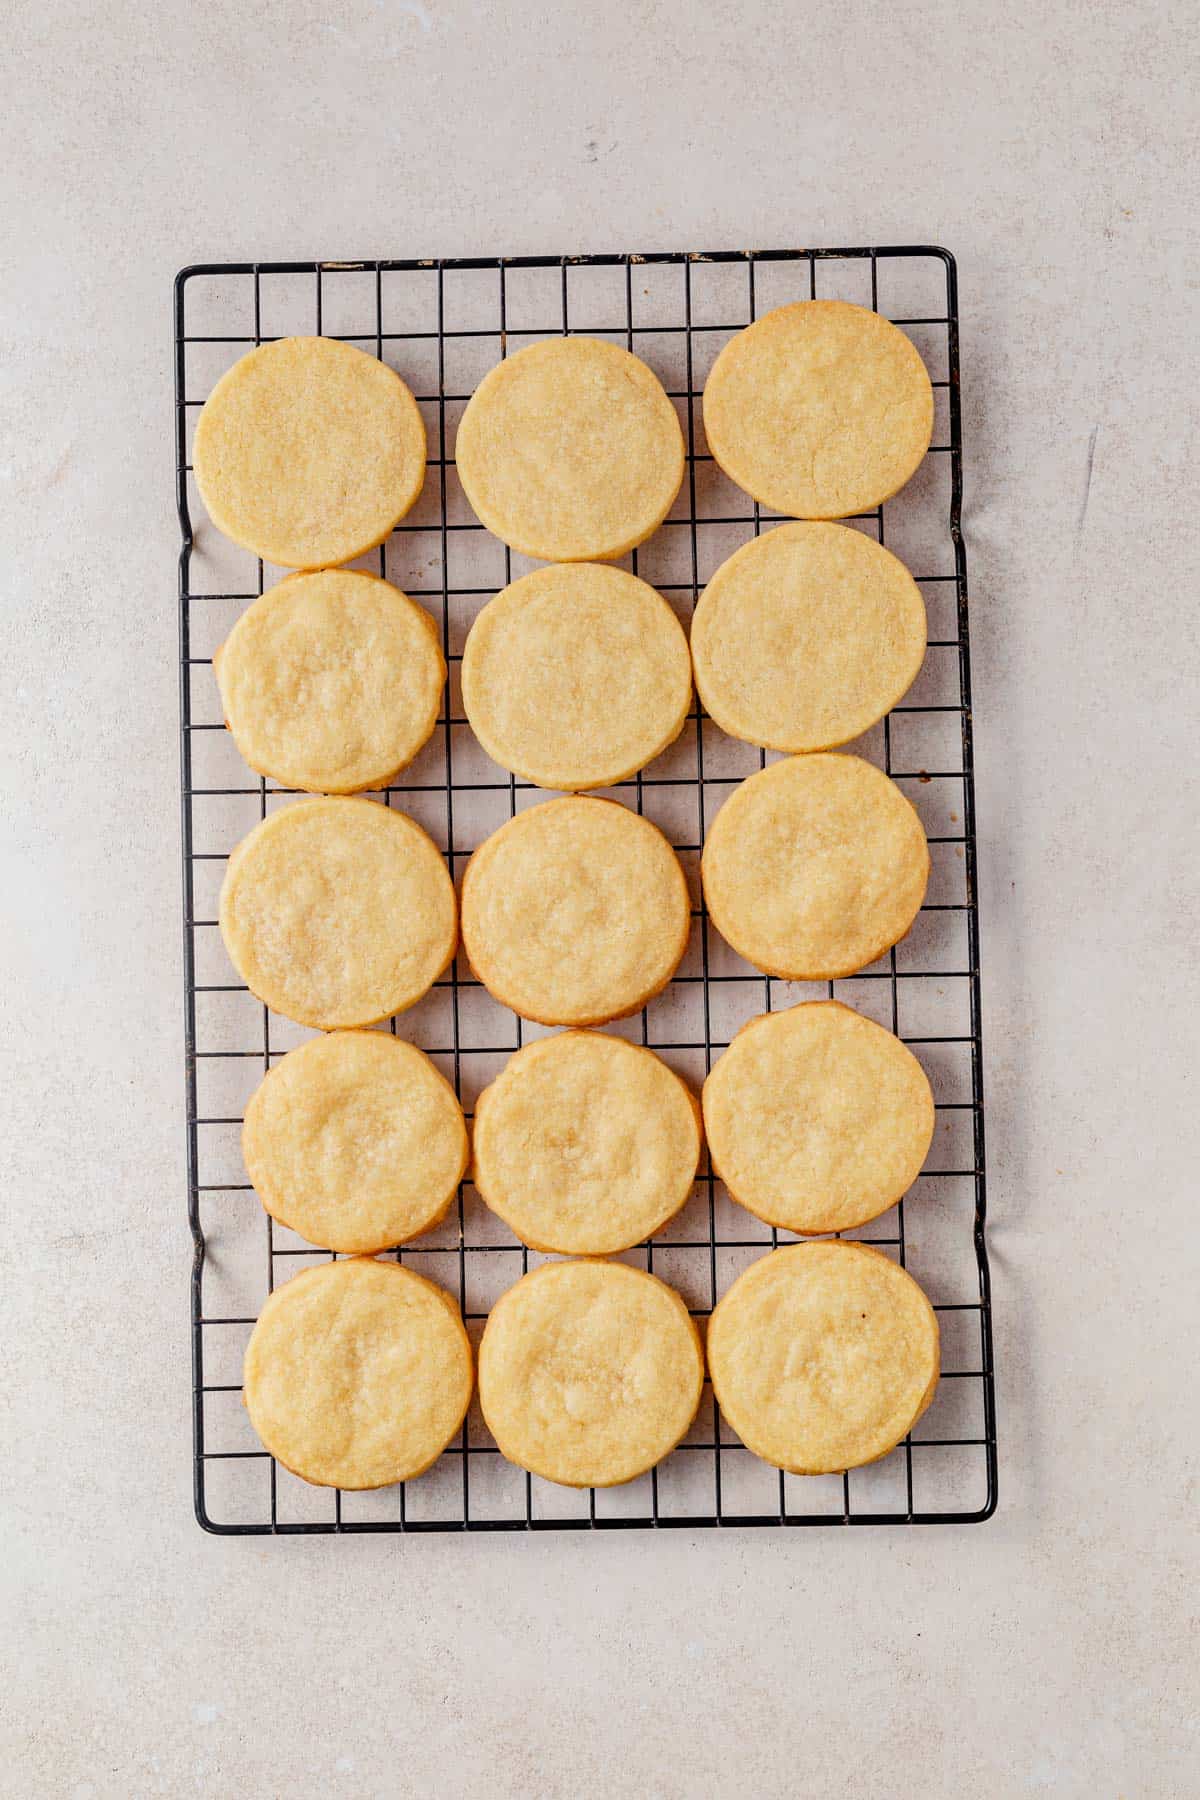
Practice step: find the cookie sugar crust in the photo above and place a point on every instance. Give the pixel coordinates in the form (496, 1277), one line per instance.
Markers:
(806, 636)
(331, 682)
(570, 451)
(576, 676)
(585, 1144)
(575, 912)
(308, 451)
(356, 1141)
(338, 912)
(358, 1374)
(823, 1356)
(817, 1118)
(589, 1372)
(819, 409)
(815, 866)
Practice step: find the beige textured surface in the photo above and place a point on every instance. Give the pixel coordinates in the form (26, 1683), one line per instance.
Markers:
(355, 1140)
(806, 636)
(819, 409)
(308, 451)
(576, 676)
(585, 1144)
(570, 450)
(817, 1119)
(358, 1373)
(575, 911)
(338, 912)
(815, 866)
(1047, 1655)
(823, 1356)
(331, 682)
(589, 1372)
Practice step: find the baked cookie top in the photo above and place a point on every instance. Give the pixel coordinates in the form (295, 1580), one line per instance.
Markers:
(823, 1356)
(575, 912)
(357, 1374)
(815, 866)
(308, 451)
(817, 1119)
(331, 681)
(576, 676)
(585, 1144)
(819, 410)
(338, 912)
(806, 636)
(356, 1141)
(589, 1372)
(570, 450)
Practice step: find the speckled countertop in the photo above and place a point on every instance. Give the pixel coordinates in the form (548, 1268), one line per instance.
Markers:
(1048, 1651)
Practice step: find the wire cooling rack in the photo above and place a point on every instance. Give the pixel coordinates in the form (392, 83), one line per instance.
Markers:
(443, 325)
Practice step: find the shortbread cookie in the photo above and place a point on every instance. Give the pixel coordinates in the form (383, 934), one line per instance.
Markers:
(308, 451)
(576, 676)
(815, 866)
(575, 911)
(570, 450)
(585, 1144)
(819, 410)
(816, 1118)
(357, 1374)
(338, 912)
(823, 1356)
(356, 1141)
(806, 636)
(589, 1372)
(331, 682)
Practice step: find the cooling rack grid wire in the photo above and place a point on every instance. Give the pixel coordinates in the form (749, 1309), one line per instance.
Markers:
(443, 324)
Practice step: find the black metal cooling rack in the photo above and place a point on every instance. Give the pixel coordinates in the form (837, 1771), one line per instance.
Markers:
(442, 323)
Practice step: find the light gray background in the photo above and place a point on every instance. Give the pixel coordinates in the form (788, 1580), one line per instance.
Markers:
(1050, 1651)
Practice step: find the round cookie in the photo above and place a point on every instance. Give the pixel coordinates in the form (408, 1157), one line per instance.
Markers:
(308, 451)
(589, 1372)
(806, 636)
(570, 450)
(823, 1356)
(357, 1374)
(575, 912)
(819, 409)
(815, 866)
(585, 1144)
(331, 682)
(538, 676)
(816, 1118)
(356, 1141)
(338, 912)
